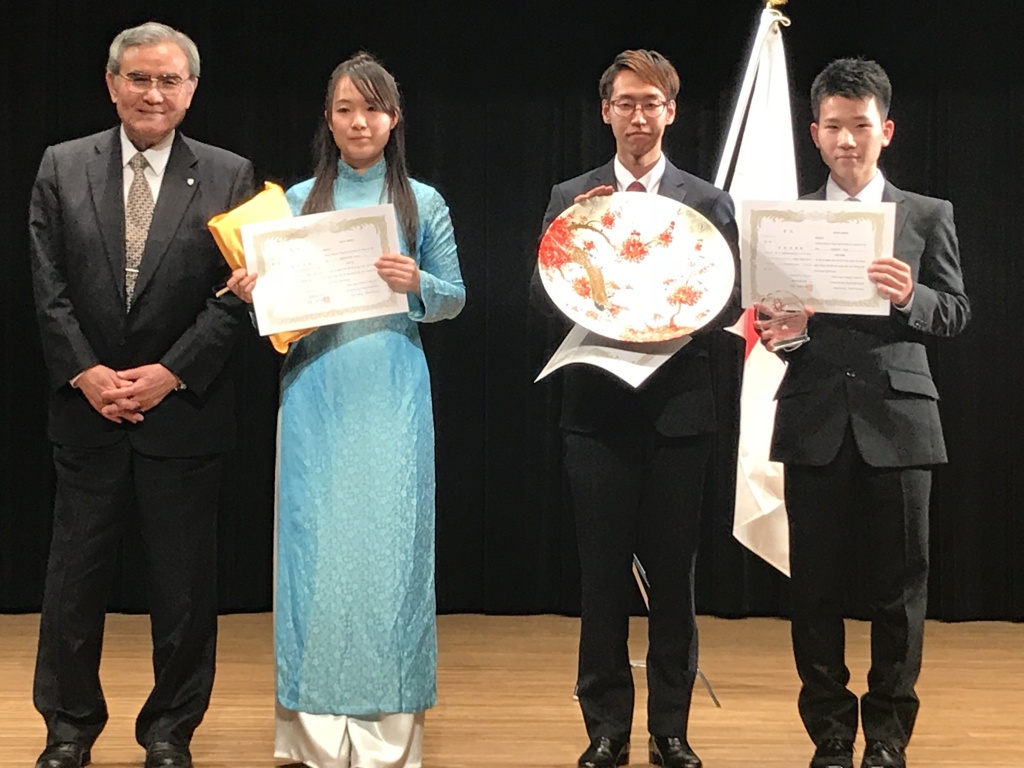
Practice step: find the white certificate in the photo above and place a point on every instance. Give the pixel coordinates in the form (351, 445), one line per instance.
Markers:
(633, 362)
(817, 250)
(319, 269)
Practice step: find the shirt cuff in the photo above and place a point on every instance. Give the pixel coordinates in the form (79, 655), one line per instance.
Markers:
(905, 309)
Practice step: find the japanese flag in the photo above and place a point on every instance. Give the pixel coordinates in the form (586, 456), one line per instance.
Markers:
(759, 163)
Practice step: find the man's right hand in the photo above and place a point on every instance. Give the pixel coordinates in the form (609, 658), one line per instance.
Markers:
(768, 329)
(604, 189)
(94, 381)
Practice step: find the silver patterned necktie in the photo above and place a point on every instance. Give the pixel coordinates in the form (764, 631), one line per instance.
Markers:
(138, 213)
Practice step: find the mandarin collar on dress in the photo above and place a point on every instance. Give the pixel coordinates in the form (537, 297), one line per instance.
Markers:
(374, 173)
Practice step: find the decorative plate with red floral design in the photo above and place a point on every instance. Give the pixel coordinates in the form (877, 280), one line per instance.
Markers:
(636, 267)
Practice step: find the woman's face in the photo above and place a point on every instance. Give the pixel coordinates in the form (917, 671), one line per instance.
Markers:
(361, 130)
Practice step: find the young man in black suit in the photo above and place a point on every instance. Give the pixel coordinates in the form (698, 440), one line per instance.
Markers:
(136, 343)
(635, 458)
(857, 427)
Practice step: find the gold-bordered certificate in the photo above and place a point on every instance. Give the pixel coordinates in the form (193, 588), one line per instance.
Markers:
(817, 250)
(319, 269)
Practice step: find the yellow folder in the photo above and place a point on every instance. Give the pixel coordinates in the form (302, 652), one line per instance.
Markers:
(266, 205)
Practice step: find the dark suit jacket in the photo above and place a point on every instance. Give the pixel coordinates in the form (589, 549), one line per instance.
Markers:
(76, 226)
(678, 400)
(872, 372)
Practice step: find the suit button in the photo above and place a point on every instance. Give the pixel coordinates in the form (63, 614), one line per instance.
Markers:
(852, 374)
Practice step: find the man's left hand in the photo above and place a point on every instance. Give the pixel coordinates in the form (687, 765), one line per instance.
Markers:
(146, 385)
(893, 279)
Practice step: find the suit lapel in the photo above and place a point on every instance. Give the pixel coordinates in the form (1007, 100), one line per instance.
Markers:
(892, 194)
(673, 183)
(105, 173)
(176, 191)
(602, 177)
(818, 194)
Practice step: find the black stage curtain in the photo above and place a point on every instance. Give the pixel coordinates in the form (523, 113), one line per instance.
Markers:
(501, 102)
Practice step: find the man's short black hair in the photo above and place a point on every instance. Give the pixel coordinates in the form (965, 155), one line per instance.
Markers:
(852, 79)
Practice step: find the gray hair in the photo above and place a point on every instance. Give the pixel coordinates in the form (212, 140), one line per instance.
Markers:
(152, 33)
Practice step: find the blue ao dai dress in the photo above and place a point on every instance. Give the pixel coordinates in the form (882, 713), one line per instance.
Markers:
(355, 610)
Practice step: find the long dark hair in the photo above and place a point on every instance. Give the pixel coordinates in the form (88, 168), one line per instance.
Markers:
(379, 88)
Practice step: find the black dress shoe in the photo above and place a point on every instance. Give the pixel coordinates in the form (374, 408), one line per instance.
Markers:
(67, 754)
(164, 754)
(882, 754)
(605, 753)
(672, 752)
(833, 753)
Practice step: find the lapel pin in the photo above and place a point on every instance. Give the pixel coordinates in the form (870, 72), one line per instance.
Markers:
(190, 181)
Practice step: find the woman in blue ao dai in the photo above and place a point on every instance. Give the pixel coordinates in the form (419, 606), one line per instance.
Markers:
(354, 606)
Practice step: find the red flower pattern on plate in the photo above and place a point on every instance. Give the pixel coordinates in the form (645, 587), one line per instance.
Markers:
(582, 247)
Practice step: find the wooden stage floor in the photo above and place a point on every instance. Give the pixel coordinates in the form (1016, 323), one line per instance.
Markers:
(505, 686)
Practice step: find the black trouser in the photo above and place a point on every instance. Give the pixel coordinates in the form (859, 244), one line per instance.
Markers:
(849, 514)
(176, 501)
(636, 491)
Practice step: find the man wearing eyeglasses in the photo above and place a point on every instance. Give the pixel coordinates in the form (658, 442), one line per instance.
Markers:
(141, 406)
(635, 458)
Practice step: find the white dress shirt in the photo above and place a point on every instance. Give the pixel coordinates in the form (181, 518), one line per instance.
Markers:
(157, 157)
(871, 193)
(651, 180)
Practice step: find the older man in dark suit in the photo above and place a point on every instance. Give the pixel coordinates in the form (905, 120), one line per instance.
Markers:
(636, 458)
(136, 342)
(857, 427)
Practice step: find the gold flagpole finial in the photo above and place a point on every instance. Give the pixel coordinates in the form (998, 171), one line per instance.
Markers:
(780, 17)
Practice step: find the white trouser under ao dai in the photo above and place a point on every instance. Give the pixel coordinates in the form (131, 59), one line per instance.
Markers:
(341, 741)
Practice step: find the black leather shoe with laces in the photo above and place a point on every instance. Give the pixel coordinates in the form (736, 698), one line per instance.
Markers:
(67, 754)
(605, 753)
(881, 754)
(164, 754)
(833, 753)
(672, 752)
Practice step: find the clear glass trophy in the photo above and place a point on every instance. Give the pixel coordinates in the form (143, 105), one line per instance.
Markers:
(782, 317)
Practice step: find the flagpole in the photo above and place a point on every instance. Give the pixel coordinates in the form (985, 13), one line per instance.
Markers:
(769, 18)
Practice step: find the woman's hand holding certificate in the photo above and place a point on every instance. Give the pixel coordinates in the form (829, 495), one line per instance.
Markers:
(399, 272)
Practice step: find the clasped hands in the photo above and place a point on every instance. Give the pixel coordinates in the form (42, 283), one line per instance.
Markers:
(397, 270)
(125, 395)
